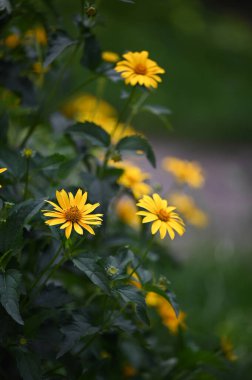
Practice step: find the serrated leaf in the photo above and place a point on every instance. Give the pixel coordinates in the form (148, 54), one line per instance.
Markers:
(59, 41)
(168, 295)
(28, 365)
(74, 332)
(94, 271)
(135, 143)
(92, 132)
(9, 293)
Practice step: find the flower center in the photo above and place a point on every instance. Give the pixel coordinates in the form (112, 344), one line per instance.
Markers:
(73, 214)
(140, 69)
(163, 215)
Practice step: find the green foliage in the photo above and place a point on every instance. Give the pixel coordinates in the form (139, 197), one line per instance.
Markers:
(10, 282)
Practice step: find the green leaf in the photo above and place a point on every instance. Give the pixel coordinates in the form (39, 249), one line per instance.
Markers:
(74, 332)
(51, 162)
(92, 52)
(131, 294)
(58, 43)
(93, 270)
(156, 109)
(92, 133)
(168, 295)
(135, 143)
(10, 282)
(28, 365)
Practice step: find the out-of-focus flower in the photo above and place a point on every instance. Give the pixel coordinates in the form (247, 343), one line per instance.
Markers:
(186, 205)
(37, 34)
(184, 171)
(133, 179)
(228, 349)
(1, 171)
(38, 68)
(126, 211)
(110, 56)
(134, 278)
(137, 68)
(129, 371)
(162, 216)
(28, 153)
(12, 41)
(166, 312)
(73, 212)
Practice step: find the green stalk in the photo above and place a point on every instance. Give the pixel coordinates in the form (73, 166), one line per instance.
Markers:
(27, 177)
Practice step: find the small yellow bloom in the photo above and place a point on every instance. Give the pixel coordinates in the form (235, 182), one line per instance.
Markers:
(73, 212)
(188, 172)
(137, 68)
(134, 278)
(28, 153)
(133, 179)
(110, 56)
(1, 171)
(228, 349)
(12, 40)
(38, 68)
(37, 34)
(186, 205)
(126, 211)
(163, 216)
(166, 312)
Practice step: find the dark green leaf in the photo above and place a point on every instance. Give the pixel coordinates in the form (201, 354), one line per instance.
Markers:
(168, 295)
(9, 293)
(92, 133)
(135, 143)
(93, 270)
(52, 296)
(28, 365)
(51, 162)
(92, 52)
(59, 41)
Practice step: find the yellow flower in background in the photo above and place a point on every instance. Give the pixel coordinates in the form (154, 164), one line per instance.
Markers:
(166, 312)
(1, 171)
(162, 216)
(37, 34)
(186, 205)
(110, 56)
(228, 349)
(129, 371)
(38, 68)
(12, 40)
(134, 278)
(137, 68)
(126, 211)
(73, 212)
(184, 171)
(133, 179)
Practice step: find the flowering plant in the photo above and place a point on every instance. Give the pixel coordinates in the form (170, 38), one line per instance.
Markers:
(83, 278)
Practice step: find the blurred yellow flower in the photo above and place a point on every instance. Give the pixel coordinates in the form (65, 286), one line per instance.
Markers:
(38, 68)
(28, 153)
(37, 34)
(134, 278)
(166, 312)
(1, 171)
(110, 56)
(186, 205)
(137, 68)
(129, 371)
(228, 349)
(162, 216)
(12, 40)
(73, 212)
(126, 211)
(184, 171)
(133, 179)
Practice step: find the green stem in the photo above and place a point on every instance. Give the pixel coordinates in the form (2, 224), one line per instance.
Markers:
(27, 177)
(141, 261)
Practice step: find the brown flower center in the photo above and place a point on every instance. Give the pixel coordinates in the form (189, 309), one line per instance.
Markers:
(163, 215)
(73, 214)
(140, 69)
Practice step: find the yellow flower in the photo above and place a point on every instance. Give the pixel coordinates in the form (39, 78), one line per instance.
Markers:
(137, 68)
(12, 40)
(133, 179)
(28, 153)
(73, 212)
(38, 68)
(37, 34)
(129, 371)
(163, 216)
(134, 278)
(166, 312)
(228, 349)
(110, 56)
(186, 205)
(188, 172)
(126, 211)
(1, 171)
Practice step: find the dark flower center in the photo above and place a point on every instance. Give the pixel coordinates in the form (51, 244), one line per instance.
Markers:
(73, 214)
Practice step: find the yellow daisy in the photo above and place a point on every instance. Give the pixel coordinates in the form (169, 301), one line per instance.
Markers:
(163, 216)
(126, 211)
(73, 212)
(137, 68)
(110, 56)
(1, 171)
(189, 172)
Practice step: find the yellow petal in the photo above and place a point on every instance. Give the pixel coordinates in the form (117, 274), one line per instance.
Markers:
(78, 229)
(53, 222)
(68, 230)
(155, 226)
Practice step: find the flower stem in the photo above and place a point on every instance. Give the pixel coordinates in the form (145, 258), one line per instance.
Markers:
(27, 177)
(142, 259)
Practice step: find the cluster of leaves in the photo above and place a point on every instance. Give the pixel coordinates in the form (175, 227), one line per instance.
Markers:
(69, 309)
